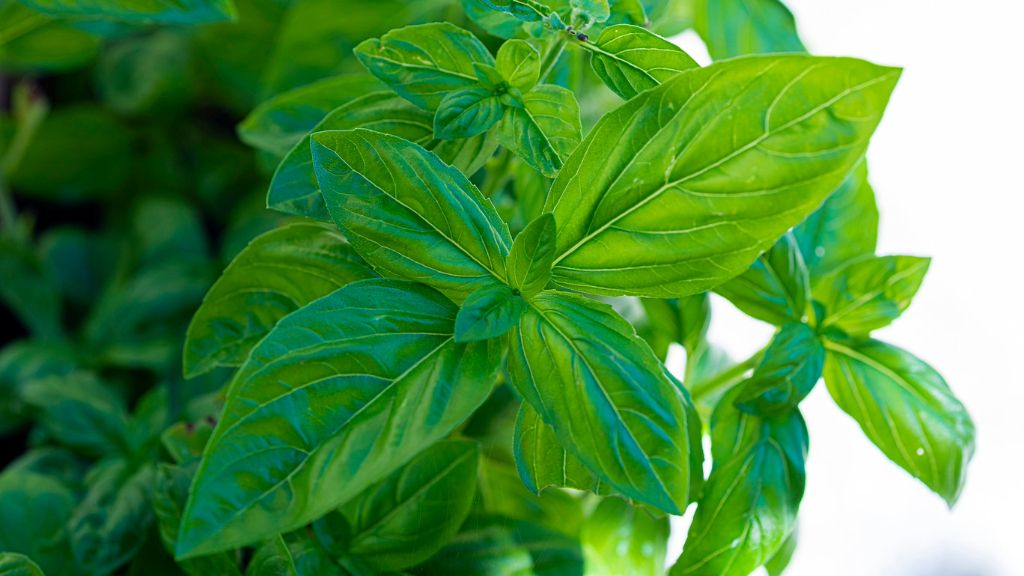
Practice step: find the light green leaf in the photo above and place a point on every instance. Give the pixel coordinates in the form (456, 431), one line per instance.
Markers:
(407, 517)
(80, 413)
(600, 387)
(544, 130)
(316, 415)
(843, 229)
(529, 261)
(34, 509)
(525, 10)
(751, 500)
(870, 293)
(32, 41)
(775, 288)
(28, 290)
(501, 493)
(495, 22)
(619, 539)
(424, 63)
(780, 561)
(593, 10)
(13, 564)
(541, 460)
(630, 59)
(906, 409)
(519, 64)
(279, 123)
(487, 313)
(467, 112)
(275, 275)
(741, 27)
(408, 213)
(791, 367)
(139, 11)
(650, 204)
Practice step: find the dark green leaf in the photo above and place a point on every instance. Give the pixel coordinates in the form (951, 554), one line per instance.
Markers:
(33, 512)
(649, 204)
(300, 557)
(619, 539)
(409, 214)
(22, 363)
(423, 63)
(791, 367)
(870, 293)
(906, 408)
(139, 11)
(12, 564)
(741, 27)
(487, 313)
(407, 517)
(519, 64)
(529, 261)
(776, 288)
(315, 415)
(28, 289)
(466, 113)
(630, 59)
(583, 368)
(80, 262)
(544, 130)
(32, 41)
(276, 274)
(146, 74)
(79, 412)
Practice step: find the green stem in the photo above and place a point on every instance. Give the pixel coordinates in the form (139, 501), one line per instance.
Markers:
(705, 388)
(30, 109)
(551, 56)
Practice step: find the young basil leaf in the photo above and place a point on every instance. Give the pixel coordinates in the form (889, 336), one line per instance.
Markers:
(780, 561)
(751, 499)
(519, 64)
(529, 261)
(34, 510)
(487, 313)
(544, 130)
(277, 124)
(316, 415)
(139, 11)
(273, 276)
(79, 412)
(644, 206)
(630, 59)
(906, 409)
(871, 292)
(843, 229)
(424, 63)
(684, 321)
(30, 41)
(541, 460)
(409, 214)
(776, 288)
(593, 10)
(620, 539)
(582, 367)
(466, 113)
(294, 188)
(28, 289)
(741, 27)
(13, 564)
(791, 367)
(407, 517)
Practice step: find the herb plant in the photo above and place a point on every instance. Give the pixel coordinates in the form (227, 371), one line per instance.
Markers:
(446, 352)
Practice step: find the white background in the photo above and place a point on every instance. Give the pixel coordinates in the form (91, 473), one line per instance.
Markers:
(947, 165)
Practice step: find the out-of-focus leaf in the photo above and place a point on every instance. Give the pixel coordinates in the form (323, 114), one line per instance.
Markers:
(13, 564)
(501, 493)
(79, 412)
(28, 290)
(22, 363)
(139, 11)
(620, 539)
(147, 73)
(30, 41)
(741, 27)
(33, 512)
(683, 321)
(80, 262)
(780, 561)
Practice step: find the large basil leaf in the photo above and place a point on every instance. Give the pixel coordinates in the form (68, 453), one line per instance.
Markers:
(13, 564)
(751, 499)
(544, 130)
(424, 63)
(791, 367)
(408, 213)
(906, 408)
(844, 228)
(32, 41)
(338, 395)
(273, 276)
(406, 518)
(869, 293)
(630, 59)
(600, 387)
(34, 509)
(619, 539)
(140, 11)
(740, 27)
(776, 288)
(649, 204)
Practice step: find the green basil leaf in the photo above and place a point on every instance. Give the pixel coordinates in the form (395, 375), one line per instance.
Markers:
(495, 22)
(165, 87)
(529, 261)
(870, 293)
(633, 11)
(276, 274)
(407, 517)
(583, 368)
(409, 214)
(13, 564)
(467, 112)
(271, 467)
(501, 493)
(20, 364)
(647, 205)
(541, 460)
(424, 63)
(519, 64)
(775, 288)
(780, 561)
(630, 59)
(751, 499)
(80, 262)
(544, 130)
(80, 413)
(593, 10)
(300, 557)
(843, 229)
(791, 367)
(34, 510)
(684, 321)
(277, 124)
(525, 10)
(139, 11)
(28, 289)
(487, 313)
(30, 41)
(620, 539)
(906, 409)
(741, 27)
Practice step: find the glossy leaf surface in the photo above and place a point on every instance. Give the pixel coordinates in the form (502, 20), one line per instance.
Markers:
(791, 367)
(544, 130)
(519, 63)
(487, 313)
(870, 293)
(630, 59)
(467, 112)
(541, 460)
(529, 261)
(776, 288)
